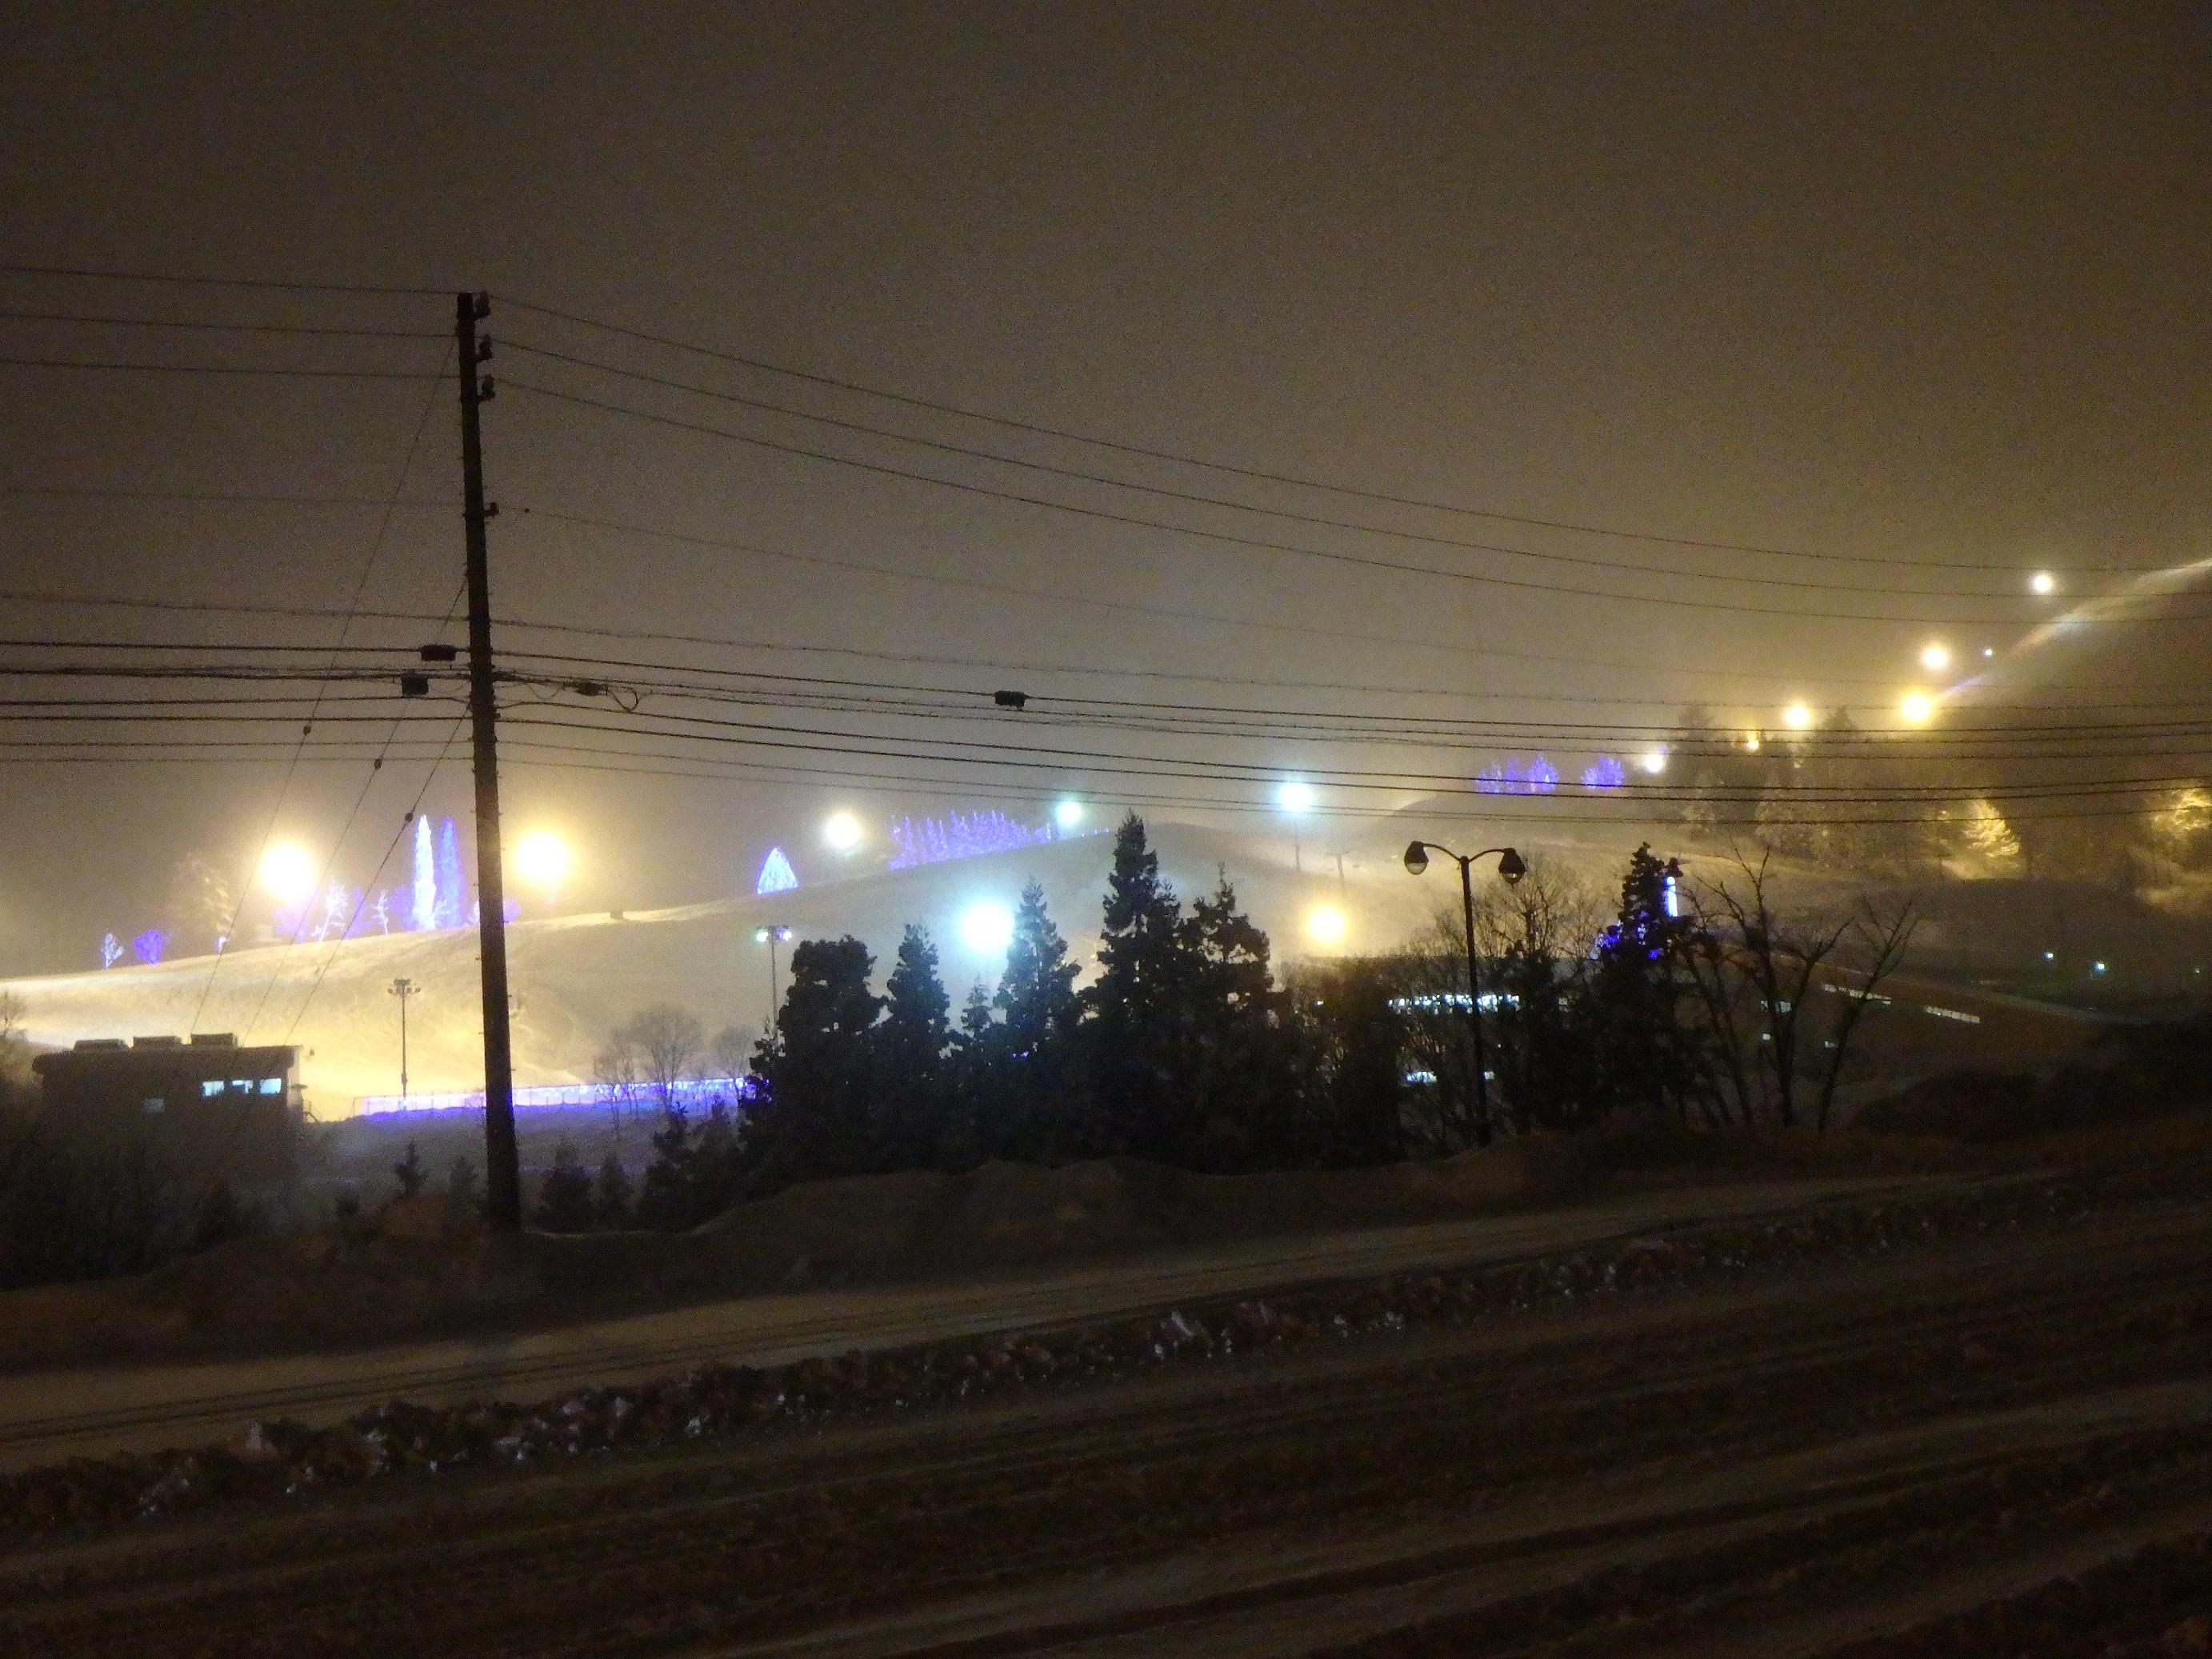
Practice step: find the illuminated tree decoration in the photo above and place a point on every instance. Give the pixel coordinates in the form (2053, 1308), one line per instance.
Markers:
(1608, 774)
(380, 912)
(450, 910)
(110, 951)
(339, 903)
(423, 900)
(776, 875)
(148, 944)
(1538, 776)
(961, 835)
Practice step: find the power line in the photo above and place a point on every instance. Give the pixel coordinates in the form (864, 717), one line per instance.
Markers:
(175, 279)
(219, 496)
(1263, 544)
(1257, 474)
(968, 452)
(303, 328)
(219, 369)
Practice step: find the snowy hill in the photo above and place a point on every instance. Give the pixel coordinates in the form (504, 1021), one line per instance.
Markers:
(576, 977)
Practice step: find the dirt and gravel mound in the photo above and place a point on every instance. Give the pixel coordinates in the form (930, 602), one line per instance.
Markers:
(421, 1268)
(715, 1402)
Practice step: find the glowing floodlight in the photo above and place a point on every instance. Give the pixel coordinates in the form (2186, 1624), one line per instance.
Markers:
(1068, 815)
(987, 928)
(842, 831)
(1325, 924)
(2044, 583)
(542, 858)
(1296, 796)
(1655, 762)
(1797, 717)
(1934, 658)
(288, 873)
(1917, 708)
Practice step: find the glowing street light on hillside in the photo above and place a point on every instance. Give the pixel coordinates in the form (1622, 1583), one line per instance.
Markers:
(1917, 708)
(1655, 762)
(1935, 657)
(1297, 795)
(543, 858)
(987, 928)
(1326, 925)
(842, 831)
(288, 873)
(2043, 584)
(1797, 717)
(1068, 816)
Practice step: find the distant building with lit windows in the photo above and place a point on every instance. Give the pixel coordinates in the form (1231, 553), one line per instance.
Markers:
(167, 1075)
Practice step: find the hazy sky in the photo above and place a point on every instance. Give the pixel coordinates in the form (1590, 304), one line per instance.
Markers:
(1913, 283)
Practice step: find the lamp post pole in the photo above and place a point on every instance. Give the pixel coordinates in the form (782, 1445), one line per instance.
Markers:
(403, 988)
(771, 936)
(1510, 868)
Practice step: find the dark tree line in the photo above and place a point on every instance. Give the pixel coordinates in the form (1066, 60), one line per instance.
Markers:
(1700, 1008)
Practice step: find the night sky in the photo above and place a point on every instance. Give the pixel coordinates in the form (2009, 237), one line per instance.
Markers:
(1920, 284)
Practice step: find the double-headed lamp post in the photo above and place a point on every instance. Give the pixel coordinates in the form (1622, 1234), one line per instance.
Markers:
(1511, 867)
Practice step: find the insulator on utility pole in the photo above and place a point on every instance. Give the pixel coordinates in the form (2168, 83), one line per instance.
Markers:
(502, 1169)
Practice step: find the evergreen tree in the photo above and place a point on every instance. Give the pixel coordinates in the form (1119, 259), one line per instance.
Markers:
(409, 1172)
(1238, 1081)
(911, 1092)
(812, 1117)
(200, 905)
(564, 1197)
(664, 1198)
(1135, 1037)
(463, 1196)
(1640, 985)
(1027, 1107)
(612, 1197)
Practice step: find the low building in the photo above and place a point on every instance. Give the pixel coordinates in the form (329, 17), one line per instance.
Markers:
(167, 1074)
(204, 1111)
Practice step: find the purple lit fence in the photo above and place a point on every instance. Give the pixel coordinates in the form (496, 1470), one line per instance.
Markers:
(692, 1094)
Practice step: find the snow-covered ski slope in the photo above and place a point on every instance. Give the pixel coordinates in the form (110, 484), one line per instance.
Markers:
(576, 977)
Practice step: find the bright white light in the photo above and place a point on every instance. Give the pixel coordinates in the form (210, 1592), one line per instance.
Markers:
(1655, 762)
(1989, 651)
(2044, 583)
(1067, 814)
(1918, 707)
(542, 857)
(1797, 717)
(288, 873)
(1296, 796)
(1325, 924)
(1751, 741)
(1934, 658)
(987, 928)
(842, 831)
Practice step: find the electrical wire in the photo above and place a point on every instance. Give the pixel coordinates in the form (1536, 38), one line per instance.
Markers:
(1262, 544)
(1257, 474)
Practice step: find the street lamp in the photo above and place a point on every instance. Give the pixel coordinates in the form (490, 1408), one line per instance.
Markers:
(771, 936)
(1511, 866)
(403, 988)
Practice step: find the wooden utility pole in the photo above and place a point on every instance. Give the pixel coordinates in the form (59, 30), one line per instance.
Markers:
(502, 1170)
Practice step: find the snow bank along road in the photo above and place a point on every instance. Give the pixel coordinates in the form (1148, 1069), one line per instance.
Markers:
(1988, 1441)
(60, 1413)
